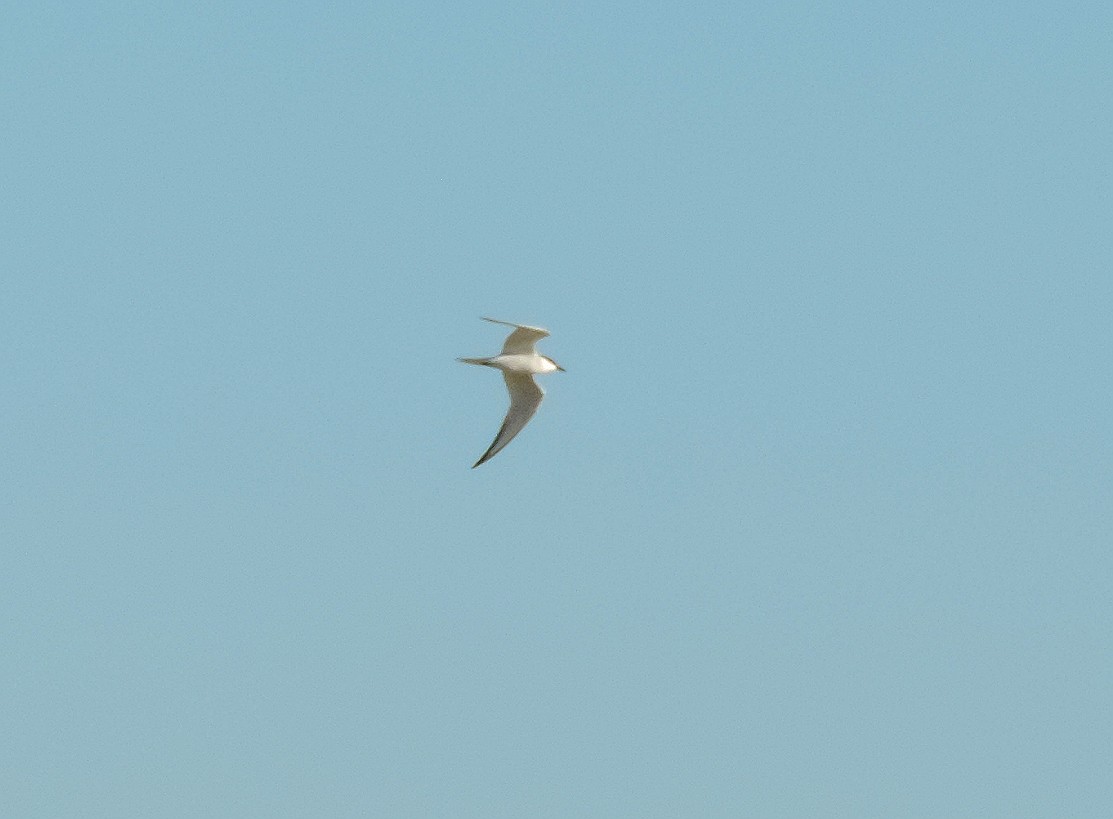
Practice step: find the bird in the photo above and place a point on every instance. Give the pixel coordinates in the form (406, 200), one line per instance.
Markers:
(519, 362)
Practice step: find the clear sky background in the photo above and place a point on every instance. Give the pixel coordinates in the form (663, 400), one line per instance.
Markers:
(817, 523)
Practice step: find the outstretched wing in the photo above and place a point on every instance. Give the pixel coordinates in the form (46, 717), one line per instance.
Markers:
(522, 340)
(525, 398)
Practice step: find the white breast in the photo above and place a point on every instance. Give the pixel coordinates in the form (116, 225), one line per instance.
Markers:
(522, 363)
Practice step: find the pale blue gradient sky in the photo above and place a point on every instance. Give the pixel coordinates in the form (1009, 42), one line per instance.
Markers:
(817, 523)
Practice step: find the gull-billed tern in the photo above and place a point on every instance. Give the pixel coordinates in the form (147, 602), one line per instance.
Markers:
(519, 362)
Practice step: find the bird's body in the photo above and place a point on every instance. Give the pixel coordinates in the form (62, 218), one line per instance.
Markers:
(519, 362)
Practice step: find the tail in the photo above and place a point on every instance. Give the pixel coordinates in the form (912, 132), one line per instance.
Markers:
(480, 361)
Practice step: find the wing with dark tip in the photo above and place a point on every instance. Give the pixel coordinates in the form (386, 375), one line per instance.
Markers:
(525, 398)
(522, 340)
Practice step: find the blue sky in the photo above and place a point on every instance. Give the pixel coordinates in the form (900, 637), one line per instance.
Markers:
(817, 523)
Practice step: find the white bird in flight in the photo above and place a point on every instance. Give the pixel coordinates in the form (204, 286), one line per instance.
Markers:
(519, 362)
